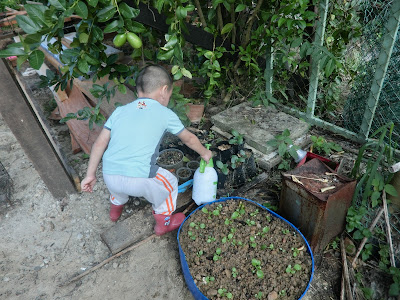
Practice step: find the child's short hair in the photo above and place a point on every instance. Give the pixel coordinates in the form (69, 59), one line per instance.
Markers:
(151, 78)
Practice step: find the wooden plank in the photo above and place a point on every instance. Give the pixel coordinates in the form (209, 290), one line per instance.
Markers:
(84, 86)
(106, 107)
(74, 145)
(33, 137)
(83, 135)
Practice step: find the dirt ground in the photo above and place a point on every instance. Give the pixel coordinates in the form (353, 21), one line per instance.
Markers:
(47, 241)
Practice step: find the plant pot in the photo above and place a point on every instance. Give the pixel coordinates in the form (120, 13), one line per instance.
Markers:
(224, 181)
(244, 249)
(170, 159)
(224, 151)
(250, 164)
(238, 176)
(193, 165)
(309, 156)
(195, 112)
(183, 174)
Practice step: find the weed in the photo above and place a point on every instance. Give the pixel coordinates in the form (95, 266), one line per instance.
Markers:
(257, 265)
(286, 149)
(321, 145)
(253, 242)
(285, 231)
(217, 254)
(234, 272)
(259, 295)
(295, 252)
(223, 167)
(293, 269)
(237, 138)
(208, 279)
(225, 293)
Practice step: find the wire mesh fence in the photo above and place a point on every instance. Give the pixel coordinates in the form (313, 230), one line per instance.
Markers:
(350, 60)
(375, 16)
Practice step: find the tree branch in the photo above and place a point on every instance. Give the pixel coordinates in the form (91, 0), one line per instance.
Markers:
(200, 12)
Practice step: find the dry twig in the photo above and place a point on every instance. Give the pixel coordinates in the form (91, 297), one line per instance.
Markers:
(345, 271)
(364, 240)
(389, 235)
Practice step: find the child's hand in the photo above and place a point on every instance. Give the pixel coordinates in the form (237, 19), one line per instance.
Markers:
(88, 183)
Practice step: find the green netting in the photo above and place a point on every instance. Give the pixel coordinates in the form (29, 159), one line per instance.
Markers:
(388, 108)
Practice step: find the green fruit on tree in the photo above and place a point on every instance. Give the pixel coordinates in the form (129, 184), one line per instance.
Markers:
(134, 40)
(119, 39)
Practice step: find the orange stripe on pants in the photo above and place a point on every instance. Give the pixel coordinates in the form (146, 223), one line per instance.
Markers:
(168, 186)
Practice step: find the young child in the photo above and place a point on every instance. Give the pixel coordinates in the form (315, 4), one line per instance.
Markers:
(129, 146)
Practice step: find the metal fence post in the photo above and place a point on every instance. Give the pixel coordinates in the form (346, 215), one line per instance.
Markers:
(381, 69)
(269, 70)
(318, 42)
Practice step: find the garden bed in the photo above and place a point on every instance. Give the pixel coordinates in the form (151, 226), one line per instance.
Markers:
(237, 249)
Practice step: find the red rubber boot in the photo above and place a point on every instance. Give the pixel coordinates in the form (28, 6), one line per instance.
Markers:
(115, 212)
(166, 223)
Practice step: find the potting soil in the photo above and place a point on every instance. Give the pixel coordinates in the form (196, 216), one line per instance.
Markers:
(237, 249)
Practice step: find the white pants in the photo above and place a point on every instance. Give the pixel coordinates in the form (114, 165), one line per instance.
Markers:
(161, 191)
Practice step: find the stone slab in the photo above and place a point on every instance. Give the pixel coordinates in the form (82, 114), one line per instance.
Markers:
(270, 160)
(259, 124)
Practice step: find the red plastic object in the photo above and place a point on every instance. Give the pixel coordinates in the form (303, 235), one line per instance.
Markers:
(309, 156)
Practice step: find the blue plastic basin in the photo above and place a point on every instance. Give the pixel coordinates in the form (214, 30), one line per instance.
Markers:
(197, 294)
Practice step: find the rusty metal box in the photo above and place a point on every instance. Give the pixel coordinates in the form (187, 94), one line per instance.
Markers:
(315, 199)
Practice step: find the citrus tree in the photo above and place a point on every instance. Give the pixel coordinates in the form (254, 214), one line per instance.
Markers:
(240, 31)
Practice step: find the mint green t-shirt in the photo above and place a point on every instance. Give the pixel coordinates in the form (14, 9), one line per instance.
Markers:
(137, 129)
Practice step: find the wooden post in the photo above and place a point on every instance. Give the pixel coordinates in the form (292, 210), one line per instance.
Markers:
(39, 146)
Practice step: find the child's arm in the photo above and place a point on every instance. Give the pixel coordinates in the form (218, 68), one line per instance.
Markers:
(98, 148)
(190, 140)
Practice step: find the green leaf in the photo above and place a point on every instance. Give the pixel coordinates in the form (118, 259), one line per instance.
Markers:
(11, 52)
(135, 27)
(112, 27)
(240, 8)
(106, 13)
(181, 12)
(81, 10)
(122, 89)
(92, 3)
(227, 28)
(33, 39)
(281, 21)
(59, 4)
(127, 11)
(83, 66)
(358, 235)
(330, 66)
(390, 189)
(21, 59)
(165, 55)
(36, 59)
(282, 149)
(186, 73)
(37, 13)
(97, 33)
(297, 42)
(83, 38)
(27, 24)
